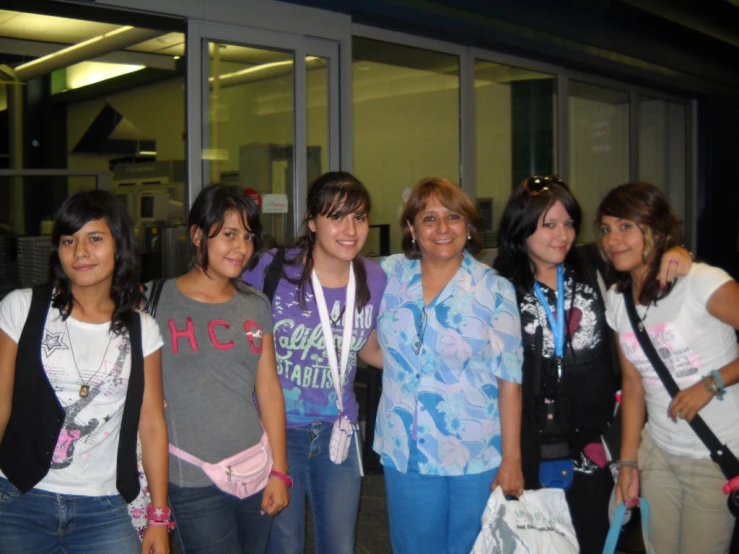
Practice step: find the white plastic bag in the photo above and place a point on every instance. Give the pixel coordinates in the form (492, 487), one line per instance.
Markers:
(538, 522)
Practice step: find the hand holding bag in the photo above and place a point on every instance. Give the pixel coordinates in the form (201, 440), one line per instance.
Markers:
(538, 522)
(618, 522)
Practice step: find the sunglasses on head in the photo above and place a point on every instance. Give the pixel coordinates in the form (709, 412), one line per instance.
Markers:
(537, 184)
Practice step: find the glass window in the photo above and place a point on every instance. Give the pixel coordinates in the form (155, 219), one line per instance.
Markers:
(406, 122)
(663, 148)
(250, 128)
(599, 146)
(515, 128)
(81, 98)
(316, 74)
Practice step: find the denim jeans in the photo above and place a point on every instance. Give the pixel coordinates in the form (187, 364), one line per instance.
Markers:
(210, 521)
(48, 523)
(333, 494)
(431, 514)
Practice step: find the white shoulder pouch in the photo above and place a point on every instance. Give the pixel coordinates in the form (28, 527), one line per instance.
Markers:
(343, 429)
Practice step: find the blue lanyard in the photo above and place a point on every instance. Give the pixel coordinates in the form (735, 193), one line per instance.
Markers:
(556, 324)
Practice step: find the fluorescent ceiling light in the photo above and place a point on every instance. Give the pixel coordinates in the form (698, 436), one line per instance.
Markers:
(147, 153)
(72, 48)
(87, 73)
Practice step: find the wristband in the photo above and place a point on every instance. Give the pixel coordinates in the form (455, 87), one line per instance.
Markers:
(282, 477)
(159, 516)
(717, 375)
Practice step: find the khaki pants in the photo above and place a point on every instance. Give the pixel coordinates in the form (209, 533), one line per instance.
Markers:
(689, 511)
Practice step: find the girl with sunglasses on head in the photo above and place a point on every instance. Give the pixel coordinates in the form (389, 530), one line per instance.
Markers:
(325, 307)
(80, 374)
(692, 324)
(570, 375)
(218, 358)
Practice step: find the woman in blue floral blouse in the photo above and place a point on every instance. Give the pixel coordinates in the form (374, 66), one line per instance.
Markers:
(448, 425)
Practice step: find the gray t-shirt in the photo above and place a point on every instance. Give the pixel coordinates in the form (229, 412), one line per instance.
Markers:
(209, 366)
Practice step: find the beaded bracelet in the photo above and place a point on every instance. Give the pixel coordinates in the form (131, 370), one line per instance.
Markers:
(628, 463)
(715, 384)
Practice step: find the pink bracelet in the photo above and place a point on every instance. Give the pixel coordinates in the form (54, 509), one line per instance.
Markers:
(282, 477)
(158, 513)
(732, 484)
(159, 516)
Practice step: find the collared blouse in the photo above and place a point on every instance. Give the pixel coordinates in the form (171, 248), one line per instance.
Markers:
(441, 365)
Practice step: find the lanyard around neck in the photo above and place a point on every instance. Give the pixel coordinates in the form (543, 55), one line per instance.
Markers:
(556, 324)
(338, 372)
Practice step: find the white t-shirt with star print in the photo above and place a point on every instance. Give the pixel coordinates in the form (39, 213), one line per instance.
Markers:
(73, 353)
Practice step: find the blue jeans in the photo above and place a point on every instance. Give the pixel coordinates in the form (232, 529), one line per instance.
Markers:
(48, 523)
(210, 521)
(333, 493)
(430, 514)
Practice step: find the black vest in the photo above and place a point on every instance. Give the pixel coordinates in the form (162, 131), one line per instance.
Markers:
(36, 417)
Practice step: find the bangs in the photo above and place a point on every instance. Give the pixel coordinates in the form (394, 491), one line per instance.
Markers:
(217, 225)
(344, 201)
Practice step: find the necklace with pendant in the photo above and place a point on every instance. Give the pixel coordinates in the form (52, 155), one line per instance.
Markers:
(85, 387)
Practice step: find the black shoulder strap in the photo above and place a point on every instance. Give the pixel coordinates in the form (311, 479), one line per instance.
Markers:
(720, 453)
(156, 291)
(273, 274)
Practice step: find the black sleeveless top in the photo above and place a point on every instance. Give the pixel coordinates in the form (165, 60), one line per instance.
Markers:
(590, 372)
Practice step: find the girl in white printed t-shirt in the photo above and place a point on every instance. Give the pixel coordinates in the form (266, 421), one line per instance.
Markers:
(80, 375)
(692, 326)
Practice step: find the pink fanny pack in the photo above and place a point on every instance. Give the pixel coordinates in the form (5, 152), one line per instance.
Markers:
(241, 475)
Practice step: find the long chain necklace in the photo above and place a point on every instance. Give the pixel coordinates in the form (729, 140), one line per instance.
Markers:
(85, 388)
(641, 321)
(334, 329)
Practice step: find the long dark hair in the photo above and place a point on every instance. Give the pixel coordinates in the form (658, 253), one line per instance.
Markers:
(208, 213)
(336, 193)
(78, 210)
(649, 209)
(521, 219)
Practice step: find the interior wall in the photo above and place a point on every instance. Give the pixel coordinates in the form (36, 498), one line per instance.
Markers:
(156, 110)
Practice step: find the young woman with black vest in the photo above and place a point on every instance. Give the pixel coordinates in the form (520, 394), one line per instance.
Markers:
(80, 375)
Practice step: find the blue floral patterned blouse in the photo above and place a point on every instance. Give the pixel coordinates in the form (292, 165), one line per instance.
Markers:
(441, 361)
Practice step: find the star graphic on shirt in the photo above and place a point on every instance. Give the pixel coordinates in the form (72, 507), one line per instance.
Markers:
(53, 342)
(106, 418)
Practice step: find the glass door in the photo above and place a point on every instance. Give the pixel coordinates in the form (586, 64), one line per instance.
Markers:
(269, 120)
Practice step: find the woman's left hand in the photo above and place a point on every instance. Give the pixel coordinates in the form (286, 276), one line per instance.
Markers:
(687, 403)
(156, 540)
(509, 478)
(275, 496)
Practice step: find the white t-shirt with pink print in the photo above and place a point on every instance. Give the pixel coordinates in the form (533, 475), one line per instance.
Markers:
(84, 460)
(691, 343)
